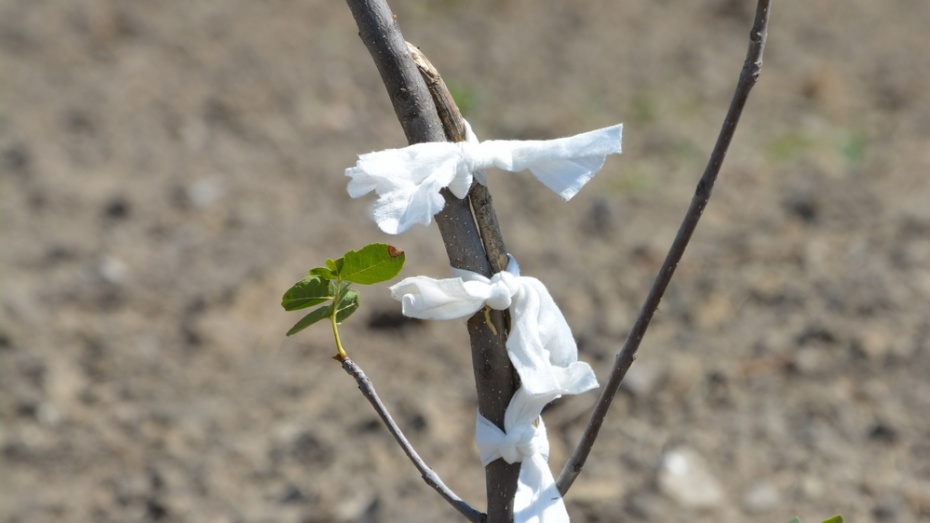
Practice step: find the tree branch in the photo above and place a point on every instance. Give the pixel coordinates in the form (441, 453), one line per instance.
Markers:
(748, 76)
(501, 476)
(417, 114)
(454, 125)
(429, 475)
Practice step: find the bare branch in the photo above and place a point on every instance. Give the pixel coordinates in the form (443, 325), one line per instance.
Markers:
(478, 195)
(429, 475)
(748, 76)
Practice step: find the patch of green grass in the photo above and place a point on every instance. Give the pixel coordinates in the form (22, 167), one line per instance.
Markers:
(643, 109)
(632, 181)
(790, 146)
(465, 96)
(684, 150)
(843, 147)
(853, 146)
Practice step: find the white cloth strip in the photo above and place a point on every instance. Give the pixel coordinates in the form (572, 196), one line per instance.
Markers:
(524, 440)
(537, 498)
(543, 352)
(408, 180)
(541, 346)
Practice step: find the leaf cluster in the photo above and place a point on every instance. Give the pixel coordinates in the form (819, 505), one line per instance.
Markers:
(374, 263)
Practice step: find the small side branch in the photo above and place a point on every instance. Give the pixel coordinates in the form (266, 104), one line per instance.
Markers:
(429, 475)
(748, 76)
(454, 125)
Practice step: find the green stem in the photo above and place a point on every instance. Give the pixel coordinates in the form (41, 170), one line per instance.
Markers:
(341, 353)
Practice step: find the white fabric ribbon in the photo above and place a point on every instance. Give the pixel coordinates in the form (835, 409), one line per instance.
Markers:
(408, 180)
(541, 346)
(544, 353)
(537, 499)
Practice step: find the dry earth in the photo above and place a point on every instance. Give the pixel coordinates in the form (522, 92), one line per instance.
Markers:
(169, 168)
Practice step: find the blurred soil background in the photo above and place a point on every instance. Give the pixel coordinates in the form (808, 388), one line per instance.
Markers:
(168, 169)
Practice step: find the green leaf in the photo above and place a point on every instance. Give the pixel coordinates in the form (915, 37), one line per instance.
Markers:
(835, 519)
(308, 292)
(795, 520)
(323, 272)
(341, 291)
(308, 320)
(348, 303)
(373, 263)
(334, 265)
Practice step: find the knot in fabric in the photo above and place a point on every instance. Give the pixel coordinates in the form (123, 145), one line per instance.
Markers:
(537, 499)
(522, 439)
(408, 180)
(503, 286)
(520, 442)
(540, 345)
(473, 158)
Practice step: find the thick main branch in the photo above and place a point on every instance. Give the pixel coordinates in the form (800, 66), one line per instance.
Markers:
(417, 115)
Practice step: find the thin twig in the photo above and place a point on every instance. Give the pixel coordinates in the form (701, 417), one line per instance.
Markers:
(485, 217)
(452, 122)
(454, 125)
(429, 475)
(748, 76)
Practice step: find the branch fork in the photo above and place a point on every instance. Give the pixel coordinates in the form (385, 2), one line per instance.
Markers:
(473, 242)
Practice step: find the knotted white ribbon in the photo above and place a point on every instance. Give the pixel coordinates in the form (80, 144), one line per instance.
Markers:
(523, 439)
(544, 353)
(540, 345)
(408, 180)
